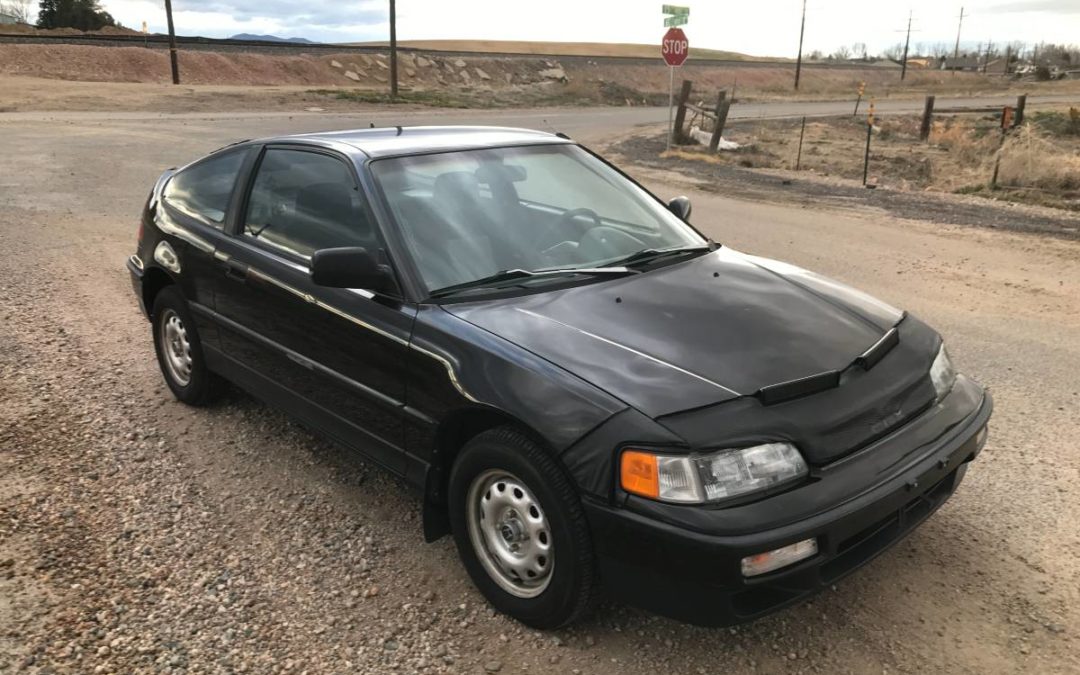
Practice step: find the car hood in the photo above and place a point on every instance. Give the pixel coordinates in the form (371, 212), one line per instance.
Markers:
(694, 333)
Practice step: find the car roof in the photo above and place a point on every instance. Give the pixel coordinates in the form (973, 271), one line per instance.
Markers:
(394, 141)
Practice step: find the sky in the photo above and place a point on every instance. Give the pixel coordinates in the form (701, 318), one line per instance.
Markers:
(760, 27)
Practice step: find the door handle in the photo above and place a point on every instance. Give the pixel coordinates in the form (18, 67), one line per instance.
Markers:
(236, 271)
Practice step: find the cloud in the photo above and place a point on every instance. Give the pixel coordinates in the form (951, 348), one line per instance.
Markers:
(761, 27)
(1043, 6)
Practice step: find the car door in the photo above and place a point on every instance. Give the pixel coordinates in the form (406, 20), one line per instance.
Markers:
(334, 357)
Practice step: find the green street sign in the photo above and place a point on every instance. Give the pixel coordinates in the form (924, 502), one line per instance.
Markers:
(679, 20)
(675, 9)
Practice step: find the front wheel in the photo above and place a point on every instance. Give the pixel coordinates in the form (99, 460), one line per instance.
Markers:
(520, 529)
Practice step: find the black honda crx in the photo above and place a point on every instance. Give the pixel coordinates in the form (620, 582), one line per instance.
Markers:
(585, 391)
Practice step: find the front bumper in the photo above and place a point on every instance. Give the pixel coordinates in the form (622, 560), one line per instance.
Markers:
(690, 570)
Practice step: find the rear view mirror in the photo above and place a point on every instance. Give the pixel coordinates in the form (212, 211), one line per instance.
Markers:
(680, 206)
(350, 267)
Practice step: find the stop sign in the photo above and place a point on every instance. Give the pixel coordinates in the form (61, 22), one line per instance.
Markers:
(675, 47)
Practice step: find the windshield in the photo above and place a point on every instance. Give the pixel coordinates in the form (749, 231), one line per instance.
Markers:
(468, 215)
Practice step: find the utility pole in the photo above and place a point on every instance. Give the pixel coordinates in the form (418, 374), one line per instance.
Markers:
(798, 61)
(986, 61)
(172, 44)
(393, 49)
(956, 50)
(907, 41)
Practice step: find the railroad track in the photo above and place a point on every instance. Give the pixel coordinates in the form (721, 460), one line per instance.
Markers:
(271, 47)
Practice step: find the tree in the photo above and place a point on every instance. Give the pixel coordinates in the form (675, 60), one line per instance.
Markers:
(894, 53)
(20, 9)
(82, 14)
(842, 53)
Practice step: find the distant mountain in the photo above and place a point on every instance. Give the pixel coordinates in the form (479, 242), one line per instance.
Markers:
(270, 38)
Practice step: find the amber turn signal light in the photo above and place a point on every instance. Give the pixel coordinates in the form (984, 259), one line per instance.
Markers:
(639, 474)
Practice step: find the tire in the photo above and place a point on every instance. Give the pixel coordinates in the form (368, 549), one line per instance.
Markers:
(179, 352)
(529, 503)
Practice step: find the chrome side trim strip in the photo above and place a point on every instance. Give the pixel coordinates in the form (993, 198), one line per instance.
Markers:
(451, 373)
(311, 299)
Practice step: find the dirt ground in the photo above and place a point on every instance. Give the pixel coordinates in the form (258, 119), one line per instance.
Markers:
(139, 535)
(1039, 161)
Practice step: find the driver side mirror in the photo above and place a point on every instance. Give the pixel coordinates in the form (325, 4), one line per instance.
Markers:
(680, 206)
(350, 267)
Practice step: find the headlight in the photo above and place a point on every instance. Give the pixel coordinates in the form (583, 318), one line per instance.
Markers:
(694, 479)
(942, 373)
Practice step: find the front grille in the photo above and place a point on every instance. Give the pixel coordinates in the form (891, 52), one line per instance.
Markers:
(857, 549)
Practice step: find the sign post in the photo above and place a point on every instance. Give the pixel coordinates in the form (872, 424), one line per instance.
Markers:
(862, 90)
(869, 130)
(674, 48)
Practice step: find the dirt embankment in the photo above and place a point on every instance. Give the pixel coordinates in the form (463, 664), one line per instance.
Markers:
(578, 79)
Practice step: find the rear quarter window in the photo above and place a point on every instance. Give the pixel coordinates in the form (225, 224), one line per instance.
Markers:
(203, 190)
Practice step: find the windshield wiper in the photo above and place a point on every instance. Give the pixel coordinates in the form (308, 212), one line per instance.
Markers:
(514, 274)
(650, 254)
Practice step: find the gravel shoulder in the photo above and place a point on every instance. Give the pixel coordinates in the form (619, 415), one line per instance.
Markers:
(139, 535)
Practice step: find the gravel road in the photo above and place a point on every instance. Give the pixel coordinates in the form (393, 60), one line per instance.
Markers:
(138, 535)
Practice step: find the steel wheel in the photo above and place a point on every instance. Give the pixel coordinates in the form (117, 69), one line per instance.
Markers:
(176, 349)
(510, 533)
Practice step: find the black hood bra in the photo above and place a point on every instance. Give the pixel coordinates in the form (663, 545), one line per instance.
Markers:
(717, 327)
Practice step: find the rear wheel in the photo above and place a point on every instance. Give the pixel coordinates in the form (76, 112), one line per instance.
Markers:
(520, 529)
(179, 352)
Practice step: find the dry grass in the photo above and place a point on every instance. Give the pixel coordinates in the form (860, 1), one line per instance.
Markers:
(1040, 162)
(1029, 159)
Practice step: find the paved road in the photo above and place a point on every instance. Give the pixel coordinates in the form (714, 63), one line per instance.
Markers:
(140, 535)
(586, 124)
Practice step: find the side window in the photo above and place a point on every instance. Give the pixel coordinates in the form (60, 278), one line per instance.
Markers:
(202, 191)
(305, 201)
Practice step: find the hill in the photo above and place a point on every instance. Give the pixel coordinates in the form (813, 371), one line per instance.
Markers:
(270, 38)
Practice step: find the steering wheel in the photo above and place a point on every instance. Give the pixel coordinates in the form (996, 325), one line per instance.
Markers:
(566, 229)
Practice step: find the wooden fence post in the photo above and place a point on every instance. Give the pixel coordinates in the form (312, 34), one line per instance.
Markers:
(802, 132)
(1018, 118)
(722, 105)
(680, 112)
(927, 115)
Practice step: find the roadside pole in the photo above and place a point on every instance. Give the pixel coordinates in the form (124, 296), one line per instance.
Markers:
(869, 130)
(393, 49)
(670, 105)
(674, 48)
(172, 43)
